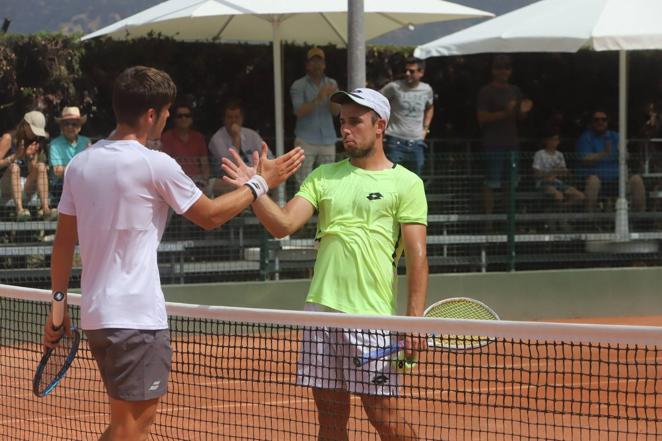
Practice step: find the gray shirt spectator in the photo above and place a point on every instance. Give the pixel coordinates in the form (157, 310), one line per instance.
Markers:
(221, 142)
(408, 105)
(234, 134)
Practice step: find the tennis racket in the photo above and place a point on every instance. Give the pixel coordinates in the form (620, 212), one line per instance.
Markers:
(55, 361)
(452, 308)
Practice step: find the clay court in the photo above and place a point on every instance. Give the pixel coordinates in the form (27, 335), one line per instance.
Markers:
(243, 388)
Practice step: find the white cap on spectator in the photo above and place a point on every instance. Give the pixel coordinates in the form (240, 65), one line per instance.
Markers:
(37, 123)
(365, 97)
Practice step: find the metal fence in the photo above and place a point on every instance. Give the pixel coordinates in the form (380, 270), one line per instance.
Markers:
(522, 227)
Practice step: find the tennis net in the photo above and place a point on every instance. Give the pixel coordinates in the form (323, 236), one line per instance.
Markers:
(234, 377)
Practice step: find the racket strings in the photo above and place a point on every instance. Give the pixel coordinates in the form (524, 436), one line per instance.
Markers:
(462, 309)
(57, 363)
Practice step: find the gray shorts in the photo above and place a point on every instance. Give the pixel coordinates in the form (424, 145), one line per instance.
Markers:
(134, 363)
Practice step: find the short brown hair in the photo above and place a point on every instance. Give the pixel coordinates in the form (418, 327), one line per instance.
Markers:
(138, 89)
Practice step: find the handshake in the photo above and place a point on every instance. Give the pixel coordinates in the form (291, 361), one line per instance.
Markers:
(265, 173)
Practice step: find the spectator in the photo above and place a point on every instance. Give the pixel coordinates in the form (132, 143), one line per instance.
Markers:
(412, 108)
(500, 106)
(597, 149)
(548, 169)
(26, 172)
(187, 146)
(233, 134)
(66, 146)
(314, 130)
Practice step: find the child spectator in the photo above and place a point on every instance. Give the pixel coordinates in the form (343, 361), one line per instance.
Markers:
(549, 168)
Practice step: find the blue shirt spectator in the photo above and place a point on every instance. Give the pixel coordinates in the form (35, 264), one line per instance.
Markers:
(591, 142)
(70, 142)
(61, 150)
(315, 125)
(314, 130)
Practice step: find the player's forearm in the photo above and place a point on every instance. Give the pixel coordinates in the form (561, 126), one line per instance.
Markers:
(274, 218)
(228, 205)
(417, 283)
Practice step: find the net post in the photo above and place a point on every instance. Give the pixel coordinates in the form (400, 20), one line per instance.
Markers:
(512, 185)
(264, 255)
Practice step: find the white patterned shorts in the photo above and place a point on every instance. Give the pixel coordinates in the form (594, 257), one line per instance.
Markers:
(326, 360)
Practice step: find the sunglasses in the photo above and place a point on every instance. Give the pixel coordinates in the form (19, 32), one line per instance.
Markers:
(600, 119)
(183, 115)
(70, 124)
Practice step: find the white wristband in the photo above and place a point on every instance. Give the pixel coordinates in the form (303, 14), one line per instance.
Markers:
(258, 186)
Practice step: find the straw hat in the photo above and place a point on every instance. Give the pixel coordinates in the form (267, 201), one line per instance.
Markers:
(71, 113)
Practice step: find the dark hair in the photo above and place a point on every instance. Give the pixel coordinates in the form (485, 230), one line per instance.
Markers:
(599, 110)
(179, 104)
(501, 60)
(549, 131)
(138, 89)
(232, 105)
(417, 61)
(24, 133)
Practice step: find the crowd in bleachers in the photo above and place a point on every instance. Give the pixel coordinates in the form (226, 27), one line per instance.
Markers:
(32, 164)
(564, 174)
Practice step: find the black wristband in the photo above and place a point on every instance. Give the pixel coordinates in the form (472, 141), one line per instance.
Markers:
(250, 187)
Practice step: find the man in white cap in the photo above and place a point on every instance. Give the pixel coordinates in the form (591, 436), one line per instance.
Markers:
(67, 145)
(370, 210)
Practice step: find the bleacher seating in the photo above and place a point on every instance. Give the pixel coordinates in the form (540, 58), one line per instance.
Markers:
(529, 234)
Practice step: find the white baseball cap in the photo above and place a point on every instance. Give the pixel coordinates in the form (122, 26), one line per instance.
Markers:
(37, 122)
(365, 97)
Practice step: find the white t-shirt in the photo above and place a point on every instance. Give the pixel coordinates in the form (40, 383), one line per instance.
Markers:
(120, 192)
(544, 162)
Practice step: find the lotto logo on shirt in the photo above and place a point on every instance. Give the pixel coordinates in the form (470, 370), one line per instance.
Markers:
(374, 196)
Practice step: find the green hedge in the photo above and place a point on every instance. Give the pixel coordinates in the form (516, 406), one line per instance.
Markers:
(48, 71)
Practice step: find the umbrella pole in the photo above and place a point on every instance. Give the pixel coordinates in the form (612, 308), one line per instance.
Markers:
(355, 45)
(622, 228)
(278, 100)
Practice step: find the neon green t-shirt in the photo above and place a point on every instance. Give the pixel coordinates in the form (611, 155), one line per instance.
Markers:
(359, 218)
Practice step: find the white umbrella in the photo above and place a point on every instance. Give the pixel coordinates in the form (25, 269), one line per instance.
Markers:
(568, 26)
(300, 21)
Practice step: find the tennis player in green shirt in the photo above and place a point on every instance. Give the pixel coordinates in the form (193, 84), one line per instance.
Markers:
(370, 210)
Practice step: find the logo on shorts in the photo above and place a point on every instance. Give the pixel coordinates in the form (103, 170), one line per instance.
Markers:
(155, 385)
(374, 196)
(380, 379)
